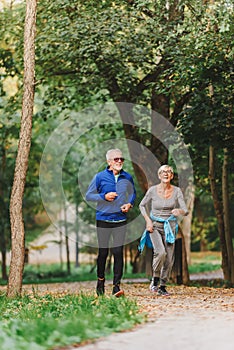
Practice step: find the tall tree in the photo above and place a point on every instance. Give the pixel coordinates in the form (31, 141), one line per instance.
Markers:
(212, 111)
(14, 287)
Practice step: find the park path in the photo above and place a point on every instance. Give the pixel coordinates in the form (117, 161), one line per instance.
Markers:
(191, 318)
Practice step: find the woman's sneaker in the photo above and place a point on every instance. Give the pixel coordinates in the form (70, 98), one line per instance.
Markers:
(162, 291)
(152, 287)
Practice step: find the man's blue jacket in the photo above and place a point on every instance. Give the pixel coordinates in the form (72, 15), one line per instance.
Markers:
(104, 182)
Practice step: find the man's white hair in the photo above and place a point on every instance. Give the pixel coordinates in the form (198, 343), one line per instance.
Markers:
(111, 151)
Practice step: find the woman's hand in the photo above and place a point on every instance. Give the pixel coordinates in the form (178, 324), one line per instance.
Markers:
(177, 212)
(149, 226)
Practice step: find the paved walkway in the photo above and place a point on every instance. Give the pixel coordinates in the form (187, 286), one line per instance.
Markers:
(212, 331)
(191, 318)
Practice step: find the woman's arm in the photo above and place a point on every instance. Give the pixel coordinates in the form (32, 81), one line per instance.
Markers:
(182, 210)
(142, 206)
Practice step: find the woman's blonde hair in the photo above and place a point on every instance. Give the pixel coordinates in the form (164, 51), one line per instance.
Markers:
(165, 167)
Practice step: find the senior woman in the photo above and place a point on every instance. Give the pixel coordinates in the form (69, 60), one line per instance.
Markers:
(166, 203)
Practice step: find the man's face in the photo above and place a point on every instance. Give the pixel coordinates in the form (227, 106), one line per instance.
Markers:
(116, 161)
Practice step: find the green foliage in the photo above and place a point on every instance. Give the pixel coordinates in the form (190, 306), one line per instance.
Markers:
(205, 232)
(133, 50)
(204, 225)
(208, 56)
(45, 322)
(203, 267)
(205, 261)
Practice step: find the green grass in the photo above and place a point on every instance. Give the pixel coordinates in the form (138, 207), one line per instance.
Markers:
(203, 267)
(45, 322)
(205, 256)
(205, 262)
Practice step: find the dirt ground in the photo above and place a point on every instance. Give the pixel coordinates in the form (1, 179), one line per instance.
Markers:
(193, 318)
(182, 298)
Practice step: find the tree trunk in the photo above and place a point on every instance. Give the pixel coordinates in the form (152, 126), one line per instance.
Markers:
(200, 220)
(60, 239)
(226, 216)
(148, 262)
(4, 215)
(185, 272)
(180, 274)
(4, 267)
(219, 214)
(77, 236)
(14, 287)
(187, 221)
(67, 241)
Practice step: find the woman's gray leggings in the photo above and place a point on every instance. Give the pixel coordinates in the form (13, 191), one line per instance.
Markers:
(163, 256)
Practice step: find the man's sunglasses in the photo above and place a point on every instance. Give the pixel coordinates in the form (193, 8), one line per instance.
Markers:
(117, 159)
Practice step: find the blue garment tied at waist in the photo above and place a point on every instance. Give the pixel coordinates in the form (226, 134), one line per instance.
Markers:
(169, 235)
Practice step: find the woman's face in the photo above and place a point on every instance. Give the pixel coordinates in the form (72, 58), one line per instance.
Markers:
(166, 175)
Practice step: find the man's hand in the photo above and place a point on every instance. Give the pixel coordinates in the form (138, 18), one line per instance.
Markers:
(125, 207)
(110, 196)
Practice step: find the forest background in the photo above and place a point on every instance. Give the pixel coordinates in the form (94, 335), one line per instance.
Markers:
(171, 57)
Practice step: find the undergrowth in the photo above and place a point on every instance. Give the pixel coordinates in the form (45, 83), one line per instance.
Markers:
(45, 322)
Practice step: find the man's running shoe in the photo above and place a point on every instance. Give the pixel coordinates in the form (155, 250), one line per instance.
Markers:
(117, 292)
(162, 291)
(100, 289)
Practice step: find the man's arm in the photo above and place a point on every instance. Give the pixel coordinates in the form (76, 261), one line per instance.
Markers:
(92, 193)
(131, 192)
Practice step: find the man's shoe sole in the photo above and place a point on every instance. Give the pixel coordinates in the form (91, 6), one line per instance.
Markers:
(119, 294)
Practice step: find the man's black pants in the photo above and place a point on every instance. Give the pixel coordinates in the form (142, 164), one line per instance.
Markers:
(111, 235)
